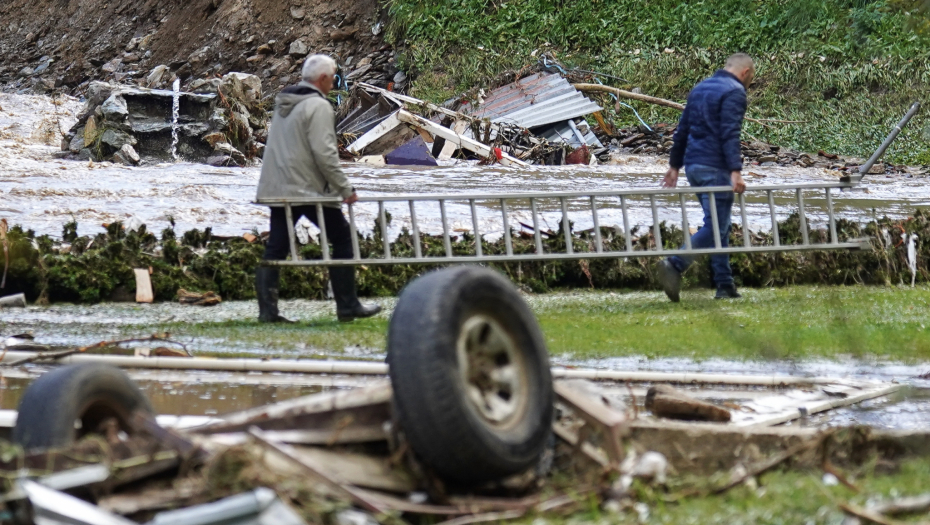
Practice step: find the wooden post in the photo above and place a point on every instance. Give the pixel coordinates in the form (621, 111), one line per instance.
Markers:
(144, 293)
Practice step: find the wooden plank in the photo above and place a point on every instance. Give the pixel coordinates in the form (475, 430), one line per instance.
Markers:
(144, 293)
(460, 140)
(345, 491)
(595, 413)
(448, 149)
(375, 133)
(378, 394)
(360, 470)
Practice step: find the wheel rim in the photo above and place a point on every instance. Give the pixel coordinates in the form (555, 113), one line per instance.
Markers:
(492, 370)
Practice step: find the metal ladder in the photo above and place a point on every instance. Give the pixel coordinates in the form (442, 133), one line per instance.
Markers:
(594, 202)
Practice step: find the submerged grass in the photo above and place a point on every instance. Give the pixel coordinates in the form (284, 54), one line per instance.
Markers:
(797, 323)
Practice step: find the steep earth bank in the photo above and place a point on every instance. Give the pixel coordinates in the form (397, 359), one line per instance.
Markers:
(55, 45)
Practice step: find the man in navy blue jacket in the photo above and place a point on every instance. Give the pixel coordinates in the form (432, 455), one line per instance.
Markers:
(707, 145)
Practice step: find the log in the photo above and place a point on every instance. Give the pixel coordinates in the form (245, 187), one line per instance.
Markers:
(665, 401)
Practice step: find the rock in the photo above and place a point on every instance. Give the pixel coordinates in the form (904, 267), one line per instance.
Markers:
(112, 66)
(127, 155)
(358, 72)
(214, 138)
(242, 86)
(205, 86)
(665, 401)
(77, 143)
(41, 68)
(297, 13)
(26, 71)
(115, 109)
(877, 169)
(343, 34)
(131, 58)
(220, 161)
(227, 149)
(155, 77)
(767, 158)
(117, 139)
(265, 49)
(400, 77)
(298, 48)
(85, 154)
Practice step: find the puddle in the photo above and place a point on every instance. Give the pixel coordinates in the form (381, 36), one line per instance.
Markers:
(201, 393)
(42, 193)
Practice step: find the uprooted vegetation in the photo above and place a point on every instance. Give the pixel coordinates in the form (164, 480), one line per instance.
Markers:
(84, 269)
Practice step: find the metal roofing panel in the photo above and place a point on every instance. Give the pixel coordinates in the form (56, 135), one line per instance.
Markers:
(536, 100)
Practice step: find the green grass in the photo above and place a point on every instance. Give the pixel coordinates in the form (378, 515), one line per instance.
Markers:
(783, 497)
(793, 323)
(849, 69)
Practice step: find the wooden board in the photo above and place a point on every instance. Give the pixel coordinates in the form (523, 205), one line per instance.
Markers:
(144, 293)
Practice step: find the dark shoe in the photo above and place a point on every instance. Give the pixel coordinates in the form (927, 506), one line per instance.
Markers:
(670, 279)
(360, 312)
(727, 291)
(348, 306)
(266, 288)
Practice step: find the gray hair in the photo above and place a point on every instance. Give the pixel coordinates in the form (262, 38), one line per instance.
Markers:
(316, 66)
(740, 61)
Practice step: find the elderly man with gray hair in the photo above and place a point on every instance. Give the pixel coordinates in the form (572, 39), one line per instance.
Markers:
(302, 160)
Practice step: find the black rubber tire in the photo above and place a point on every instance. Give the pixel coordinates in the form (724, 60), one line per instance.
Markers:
(88, 392)
(443, 428)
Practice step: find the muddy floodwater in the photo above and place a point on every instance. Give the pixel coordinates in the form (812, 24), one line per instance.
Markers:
(42, 192)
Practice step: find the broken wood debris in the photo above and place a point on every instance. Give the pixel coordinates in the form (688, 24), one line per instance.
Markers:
(666, 401)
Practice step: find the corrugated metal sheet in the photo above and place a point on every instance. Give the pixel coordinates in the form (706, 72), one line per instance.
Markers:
(562, 132)
(533, 101)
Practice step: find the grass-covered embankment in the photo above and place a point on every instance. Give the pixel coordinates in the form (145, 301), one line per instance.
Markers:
(849, 69)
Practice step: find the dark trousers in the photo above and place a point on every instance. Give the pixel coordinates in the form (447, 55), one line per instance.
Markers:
(337, 231)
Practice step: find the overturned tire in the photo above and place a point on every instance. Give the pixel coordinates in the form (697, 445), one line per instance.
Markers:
(470, 373)
(67, 403)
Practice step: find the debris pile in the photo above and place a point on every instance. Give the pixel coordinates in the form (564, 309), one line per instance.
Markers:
(221, 122)
(536, 120)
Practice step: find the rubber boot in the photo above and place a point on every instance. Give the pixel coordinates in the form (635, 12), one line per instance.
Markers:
(727, 291)
(267, 279)
(348, 306)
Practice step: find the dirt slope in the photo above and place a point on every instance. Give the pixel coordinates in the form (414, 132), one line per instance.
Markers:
(48, 44)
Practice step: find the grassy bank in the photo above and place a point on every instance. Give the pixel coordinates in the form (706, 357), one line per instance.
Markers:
(849, 69)
(797, 323)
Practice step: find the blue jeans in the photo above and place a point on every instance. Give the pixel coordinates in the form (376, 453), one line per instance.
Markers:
(699, 175)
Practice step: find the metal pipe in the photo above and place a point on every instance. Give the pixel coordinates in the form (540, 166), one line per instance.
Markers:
(479, 251)
(864, 169)
(833, 236)
(656, 230)
(802, 219)
(353, 231)
(712, 203)
(685, 229)
(747, 239)
(626, 225)
(417, 249)
(566, 228)
(446, 241)
(289, 217)
(508, 241)
(321, 223)
(776, 239)
(598, 242)
(536, 233)
(642, 192)
(861, 244)
(382, 215)
(309, 366)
